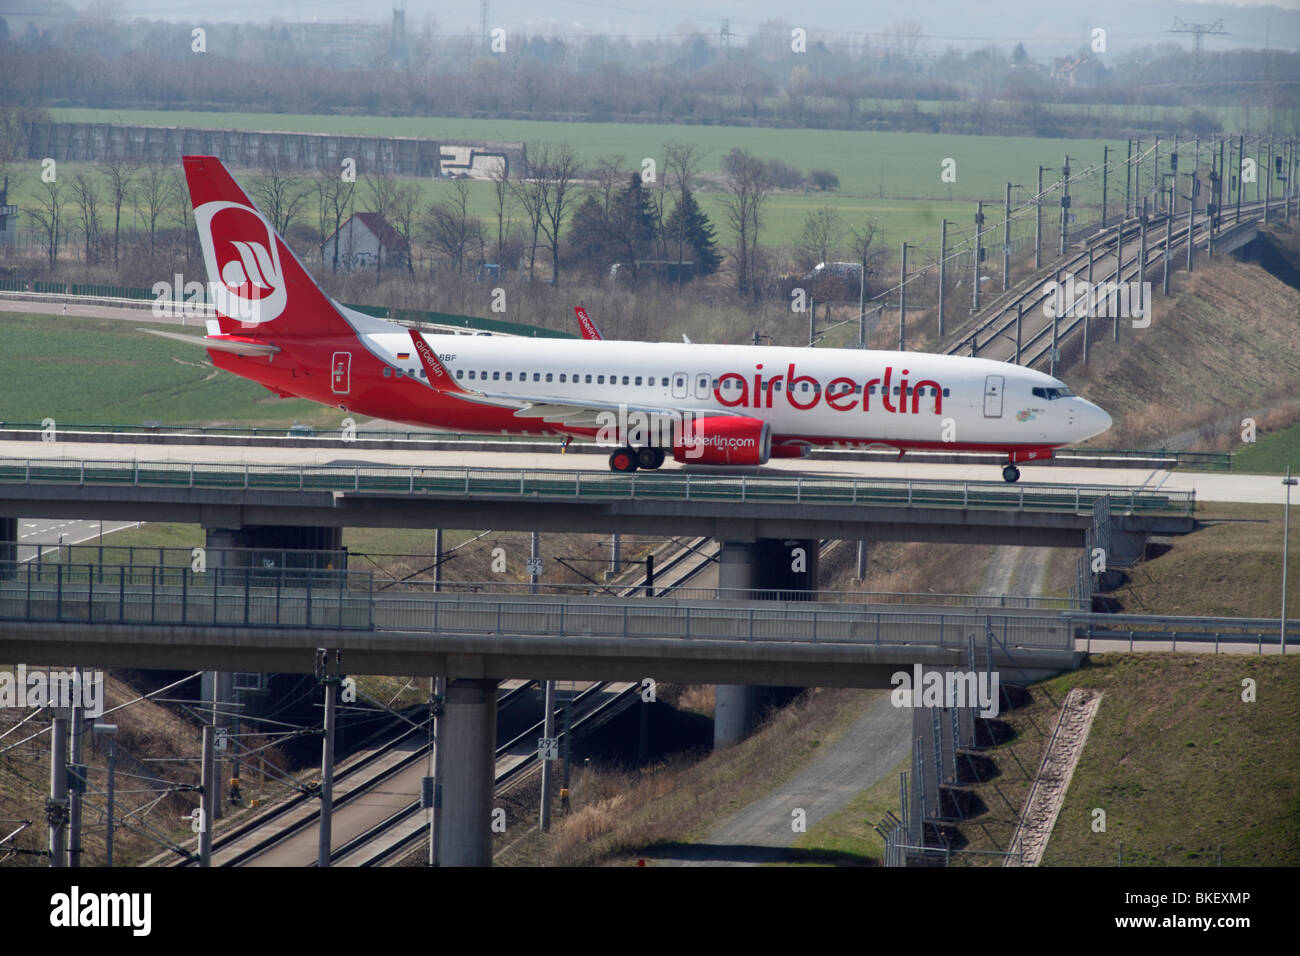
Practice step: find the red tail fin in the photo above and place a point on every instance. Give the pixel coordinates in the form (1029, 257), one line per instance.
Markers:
(258, 286)
(588, 327)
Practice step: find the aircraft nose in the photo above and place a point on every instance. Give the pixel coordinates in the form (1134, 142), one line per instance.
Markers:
(1095, 420)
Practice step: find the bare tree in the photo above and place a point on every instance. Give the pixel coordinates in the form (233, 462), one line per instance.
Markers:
(405, 199)
(333, 200)
(86, 195)
(180, 199)
(822, 230)
(681, 164)
(279, 194)
(382, 196)
(504, 197)
(153, 192)
(120, 173)
(748, 186)
(530, 194)
(451, 228)
(610, 177)
(48, 217)
(559, 173)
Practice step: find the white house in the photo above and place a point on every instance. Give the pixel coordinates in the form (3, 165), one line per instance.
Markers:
(364, 240)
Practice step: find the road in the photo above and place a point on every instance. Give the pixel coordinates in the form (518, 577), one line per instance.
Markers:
(1209, 486)
(48, 534)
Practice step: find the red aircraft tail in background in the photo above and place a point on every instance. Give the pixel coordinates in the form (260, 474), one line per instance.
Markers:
(588, 327)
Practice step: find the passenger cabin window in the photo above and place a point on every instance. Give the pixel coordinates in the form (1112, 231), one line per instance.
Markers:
(508, 374)
(548, 376)
(460, 373)
(625, 379)
(496, 376)
(388, 372)
(600, 380)
(471, 373)
(588, 379)
(638, 380)
(562, 378)
(537, 376)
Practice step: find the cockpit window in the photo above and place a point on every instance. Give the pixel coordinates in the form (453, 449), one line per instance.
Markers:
(1053, 393)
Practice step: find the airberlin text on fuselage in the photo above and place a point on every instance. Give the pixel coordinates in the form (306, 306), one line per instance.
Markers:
(838, 392)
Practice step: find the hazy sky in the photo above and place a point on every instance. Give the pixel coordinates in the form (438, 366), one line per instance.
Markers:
(956, 22)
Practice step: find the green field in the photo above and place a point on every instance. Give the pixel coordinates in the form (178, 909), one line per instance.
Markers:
(892, 165)
(83, 371)
(1271, 454)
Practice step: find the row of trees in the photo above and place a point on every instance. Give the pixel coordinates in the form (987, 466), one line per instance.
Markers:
(137, 220)
(837, 84)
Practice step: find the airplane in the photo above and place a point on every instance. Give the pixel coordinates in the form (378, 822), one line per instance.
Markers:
(738, 405)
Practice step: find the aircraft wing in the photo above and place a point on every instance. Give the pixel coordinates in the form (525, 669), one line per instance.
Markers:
(223, 344)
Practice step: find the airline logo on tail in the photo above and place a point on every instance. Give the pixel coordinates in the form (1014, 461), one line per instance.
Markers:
(243, 261)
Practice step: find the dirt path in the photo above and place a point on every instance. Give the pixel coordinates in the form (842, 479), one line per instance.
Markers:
(761, 832)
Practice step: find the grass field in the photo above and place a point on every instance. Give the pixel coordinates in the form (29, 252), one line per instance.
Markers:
(1231, 568)
(1271, 454)
(867, 163)
(1182, 765)
(85, 371)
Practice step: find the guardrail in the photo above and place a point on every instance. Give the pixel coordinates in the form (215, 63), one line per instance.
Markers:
(689, 593)
(238, 597)
(281, 598)
(1207, 460)
(580, 485)
(1155, 627)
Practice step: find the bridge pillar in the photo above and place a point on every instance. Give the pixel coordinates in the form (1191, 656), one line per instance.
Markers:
(786, 567)
(8, 548)
(468, 767)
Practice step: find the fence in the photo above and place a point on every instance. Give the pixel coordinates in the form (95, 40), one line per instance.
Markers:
(228, 597)
(531, 483)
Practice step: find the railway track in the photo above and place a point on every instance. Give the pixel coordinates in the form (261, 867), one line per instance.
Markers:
(1114, 258)
(393, 769)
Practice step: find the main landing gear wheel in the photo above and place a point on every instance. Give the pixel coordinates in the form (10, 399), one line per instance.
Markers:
(649, 458)
(1010, 473)
(623, 459)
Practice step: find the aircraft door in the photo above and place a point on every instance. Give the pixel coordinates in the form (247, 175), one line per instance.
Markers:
(702, 385)
(993, 396)
(341, 373)
(679, 384)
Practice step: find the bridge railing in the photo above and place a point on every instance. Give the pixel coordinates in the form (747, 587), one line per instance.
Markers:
(690, 593)
(1149, 628)
(710, 621)
(232, 597)
(574, 484)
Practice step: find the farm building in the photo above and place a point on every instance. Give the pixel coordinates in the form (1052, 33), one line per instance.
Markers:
(365, 241)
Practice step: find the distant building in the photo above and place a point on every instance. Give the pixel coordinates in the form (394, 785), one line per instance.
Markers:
(366, 241)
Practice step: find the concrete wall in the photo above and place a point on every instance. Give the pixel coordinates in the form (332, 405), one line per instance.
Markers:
(374, 155)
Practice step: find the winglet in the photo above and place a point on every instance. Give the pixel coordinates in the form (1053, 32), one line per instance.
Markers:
(439, 377)
(588, 327)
